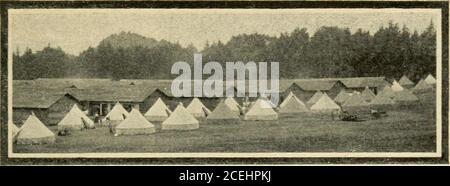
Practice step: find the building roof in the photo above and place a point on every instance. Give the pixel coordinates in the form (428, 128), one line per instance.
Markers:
(136, 90)
(71, 82)
(113, 94)
(325, 84)
(32, 98)
(314, 85)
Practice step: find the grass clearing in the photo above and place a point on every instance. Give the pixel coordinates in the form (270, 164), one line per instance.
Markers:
(406, 130)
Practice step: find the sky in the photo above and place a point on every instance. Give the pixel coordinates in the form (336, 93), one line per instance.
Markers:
(74, 30)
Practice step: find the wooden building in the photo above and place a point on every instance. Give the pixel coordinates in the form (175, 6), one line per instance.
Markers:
(49, 107)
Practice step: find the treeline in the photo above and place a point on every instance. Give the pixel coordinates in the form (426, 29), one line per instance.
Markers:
(329, 52)
(121, 56)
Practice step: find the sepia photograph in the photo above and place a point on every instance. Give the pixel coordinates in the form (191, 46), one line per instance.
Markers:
(225, 83)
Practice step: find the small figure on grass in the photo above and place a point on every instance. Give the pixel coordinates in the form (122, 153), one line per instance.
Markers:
(378, 114)
(63, 132)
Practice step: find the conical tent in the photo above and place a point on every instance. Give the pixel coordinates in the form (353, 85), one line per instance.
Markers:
(158, 112)
(75, 119)
(405, 96)
(135, 124)
(387, 92)
(381, 100)
(180, 119)
(422, 85)
(261, 110)
(197, 109)
(404, 81)
(314, 98)
(325, 103)
(290, 95)
(233, 104)
(430, 80)
(33, 131)
(342, 96)
(292, 105)
(116, 115)
(223, 113)
(396, 87)
(367, 95)
(356, 100)
(14, 131)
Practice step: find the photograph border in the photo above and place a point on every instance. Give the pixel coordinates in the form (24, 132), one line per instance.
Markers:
(439, 157)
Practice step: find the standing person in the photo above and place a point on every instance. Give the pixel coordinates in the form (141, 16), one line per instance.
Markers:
(96, 118)
(332, 115)
(111, 129)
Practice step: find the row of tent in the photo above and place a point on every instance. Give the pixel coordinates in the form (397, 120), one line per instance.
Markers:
(390, 95)
(33, 131)
(399, 92)
(422, 84)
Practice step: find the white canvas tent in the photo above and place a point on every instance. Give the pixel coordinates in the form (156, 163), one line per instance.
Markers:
(180, 119)
(405, 96)
(342, 96)
(405, 81)
(75, 119)
(367, 95)
(292, 105)
(135, 124)
(233, 104)
(14, 131)
(116, 115)
(197, 109)
(356, 100)
(223, 114)
(387, 92)
(430, 79)
(261, 110)
(314, 98)
(158, 112)
(396, 87)
(324, 104)
(382, 100)
(33, 131)
(422, 85)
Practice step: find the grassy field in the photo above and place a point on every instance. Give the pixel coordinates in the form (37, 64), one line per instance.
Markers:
(406, 130)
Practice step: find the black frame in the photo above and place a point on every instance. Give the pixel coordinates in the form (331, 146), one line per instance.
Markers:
(5, 5)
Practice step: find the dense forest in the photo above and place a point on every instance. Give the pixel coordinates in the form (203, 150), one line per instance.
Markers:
(392, 51)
